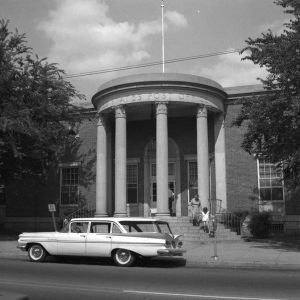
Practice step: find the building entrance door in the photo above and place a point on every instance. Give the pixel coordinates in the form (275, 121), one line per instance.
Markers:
(153, 189)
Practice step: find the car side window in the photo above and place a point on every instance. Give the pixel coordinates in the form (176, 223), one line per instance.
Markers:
(116, 229)
(79, 227)
(100, 227)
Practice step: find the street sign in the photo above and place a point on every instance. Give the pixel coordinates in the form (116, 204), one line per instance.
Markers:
(52, 210)
(51, 207)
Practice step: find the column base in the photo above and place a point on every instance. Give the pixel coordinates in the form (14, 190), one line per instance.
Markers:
(100, 215)
(120, 215)
(162, 214)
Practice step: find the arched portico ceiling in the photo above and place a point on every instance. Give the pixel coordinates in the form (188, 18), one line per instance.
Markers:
(179, 90)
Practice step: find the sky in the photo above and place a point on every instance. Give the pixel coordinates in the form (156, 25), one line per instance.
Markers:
(97, 35)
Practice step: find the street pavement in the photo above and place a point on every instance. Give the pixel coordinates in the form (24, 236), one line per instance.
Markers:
(234, 254)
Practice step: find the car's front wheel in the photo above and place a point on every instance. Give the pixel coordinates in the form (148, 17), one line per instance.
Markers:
(123, 257)
(37, 253)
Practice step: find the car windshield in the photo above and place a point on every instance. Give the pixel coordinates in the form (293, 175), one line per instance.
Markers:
(146, 226)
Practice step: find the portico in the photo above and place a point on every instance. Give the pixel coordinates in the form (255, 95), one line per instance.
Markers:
(159, 103)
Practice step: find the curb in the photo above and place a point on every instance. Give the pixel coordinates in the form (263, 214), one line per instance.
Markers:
(242, 265)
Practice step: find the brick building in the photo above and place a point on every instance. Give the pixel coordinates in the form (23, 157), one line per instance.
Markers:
(144, 136)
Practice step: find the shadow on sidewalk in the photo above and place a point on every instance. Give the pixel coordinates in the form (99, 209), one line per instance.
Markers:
(287, 243)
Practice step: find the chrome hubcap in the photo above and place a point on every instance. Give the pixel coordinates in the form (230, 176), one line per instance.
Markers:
(123, 256)
(36, 252)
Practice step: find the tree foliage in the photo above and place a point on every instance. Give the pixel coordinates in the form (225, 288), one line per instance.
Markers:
(35, 108)
(272, 121)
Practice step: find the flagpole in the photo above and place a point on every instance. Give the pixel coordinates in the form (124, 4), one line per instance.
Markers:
(162, 36)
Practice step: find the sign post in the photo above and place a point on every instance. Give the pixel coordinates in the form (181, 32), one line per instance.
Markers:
(52, 210)
(214, 229)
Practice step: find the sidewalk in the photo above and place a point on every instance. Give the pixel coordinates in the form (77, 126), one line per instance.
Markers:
(234, 254)
(254, 254)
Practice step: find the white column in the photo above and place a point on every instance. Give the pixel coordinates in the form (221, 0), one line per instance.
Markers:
(120, 162)
(109, 170)
(162, 158)
(101, 169)
(220, 160)
(178, 188)
(202, 156)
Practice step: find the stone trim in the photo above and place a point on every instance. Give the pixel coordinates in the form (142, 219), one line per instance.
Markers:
(113, 101)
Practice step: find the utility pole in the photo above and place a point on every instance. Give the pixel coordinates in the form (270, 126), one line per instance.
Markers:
(162, 36)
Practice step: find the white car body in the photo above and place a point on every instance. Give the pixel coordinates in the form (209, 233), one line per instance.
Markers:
(120, 238)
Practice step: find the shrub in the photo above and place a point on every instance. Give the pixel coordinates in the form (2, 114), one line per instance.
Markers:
(241, 214)
(260, 224)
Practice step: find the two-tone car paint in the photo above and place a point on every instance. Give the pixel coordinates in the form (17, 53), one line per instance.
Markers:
(102, 237)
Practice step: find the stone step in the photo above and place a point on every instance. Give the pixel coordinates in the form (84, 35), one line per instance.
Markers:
(190, 233)
(187, 227)
(186, 239)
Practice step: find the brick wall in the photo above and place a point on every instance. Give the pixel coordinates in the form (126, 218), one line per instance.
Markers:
(29, 198)
(241, 167)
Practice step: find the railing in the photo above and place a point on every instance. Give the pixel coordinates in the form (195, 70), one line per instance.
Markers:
(229, 220)
(85, 211)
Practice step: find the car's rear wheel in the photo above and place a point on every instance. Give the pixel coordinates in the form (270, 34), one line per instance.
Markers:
(123, 257)
(37, 253)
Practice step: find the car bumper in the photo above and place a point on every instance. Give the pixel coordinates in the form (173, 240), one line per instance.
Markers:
(22, 247)
(170, 252)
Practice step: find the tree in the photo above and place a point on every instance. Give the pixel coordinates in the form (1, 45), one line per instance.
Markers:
(35, 109)
(272, 121)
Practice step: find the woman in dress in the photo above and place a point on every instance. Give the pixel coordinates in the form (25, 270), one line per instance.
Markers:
(196, 210)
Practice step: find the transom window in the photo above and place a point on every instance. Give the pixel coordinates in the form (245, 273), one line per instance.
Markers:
(270, 182)
(69, 185)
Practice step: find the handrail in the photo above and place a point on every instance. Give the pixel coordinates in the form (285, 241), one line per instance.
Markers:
(230, 220)
(85, 211)
(227, 218)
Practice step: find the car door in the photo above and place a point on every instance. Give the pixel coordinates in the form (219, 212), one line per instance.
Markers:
(73, 242)
(98, 240)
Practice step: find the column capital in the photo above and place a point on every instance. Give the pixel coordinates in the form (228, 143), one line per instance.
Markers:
(202, 111)
(120, 111)
(161, 107)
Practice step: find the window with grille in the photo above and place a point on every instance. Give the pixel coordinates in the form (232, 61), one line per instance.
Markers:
(193, 174)
(270, 182)
(132, 183)
(69, 185)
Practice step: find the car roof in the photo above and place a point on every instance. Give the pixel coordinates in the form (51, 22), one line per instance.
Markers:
(118, 219)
